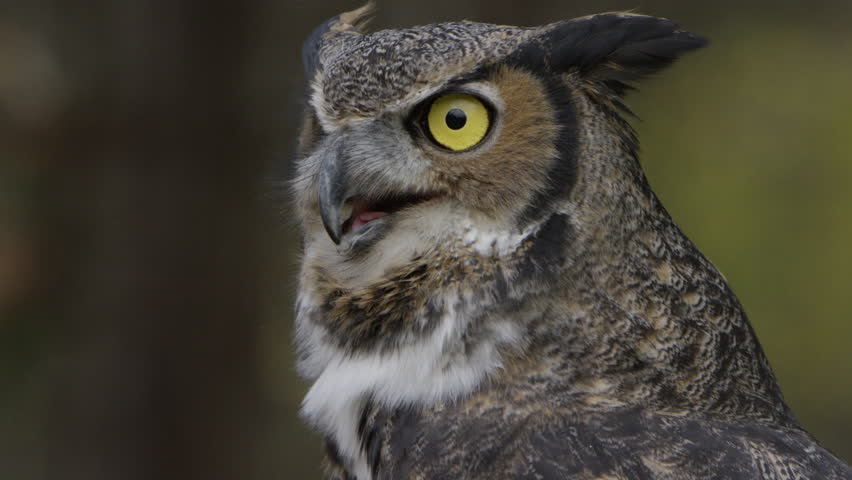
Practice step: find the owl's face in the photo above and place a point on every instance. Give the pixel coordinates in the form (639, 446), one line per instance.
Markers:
(402, 164)
(418, 139)
(461, 158)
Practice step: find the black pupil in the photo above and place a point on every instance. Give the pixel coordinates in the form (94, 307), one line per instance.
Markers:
(456, 119)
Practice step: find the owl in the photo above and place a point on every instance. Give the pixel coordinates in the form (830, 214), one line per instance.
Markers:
(490, 289)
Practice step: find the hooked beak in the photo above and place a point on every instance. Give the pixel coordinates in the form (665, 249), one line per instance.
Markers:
(332, 189)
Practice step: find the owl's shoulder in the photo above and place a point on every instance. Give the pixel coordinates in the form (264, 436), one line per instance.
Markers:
(629, 443)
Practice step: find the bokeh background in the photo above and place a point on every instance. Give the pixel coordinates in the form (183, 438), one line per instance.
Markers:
(147, 253)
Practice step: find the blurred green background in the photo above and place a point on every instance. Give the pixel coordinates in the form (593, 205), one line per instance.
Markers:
(147, 255)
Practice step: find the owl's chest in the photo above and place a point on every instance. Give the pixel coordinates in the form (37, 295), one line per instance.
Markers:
(488, 437)
(448, 363)
(407, 441)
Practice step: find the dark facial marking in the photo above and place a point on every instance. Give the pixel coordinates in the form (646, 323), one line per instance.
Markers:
(547, 252)
(563, 172)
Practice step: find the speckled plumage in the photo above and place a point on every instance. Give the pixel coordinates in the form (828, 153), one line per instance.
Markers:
(536, 313)
(397, 62)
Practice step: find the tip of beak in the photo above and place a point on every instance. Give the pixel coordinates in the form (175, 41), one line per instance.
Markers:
(334, 237)
(332, 228)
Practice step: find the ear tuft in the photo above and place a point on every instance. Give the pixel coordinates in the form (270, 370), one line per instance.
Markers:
(618, 48)
(353, 23)
(356, 21)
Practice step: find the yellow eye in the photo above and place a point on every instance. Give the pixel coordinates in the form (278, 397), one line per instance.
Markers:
(458, 121)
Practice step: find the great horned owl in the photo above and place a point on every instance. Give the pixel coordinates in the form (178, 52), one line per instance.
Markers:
(490, 288)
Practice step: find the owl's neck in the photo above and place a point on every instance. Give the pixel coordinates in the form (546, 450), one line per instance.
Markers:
(637, 315)
(640, 317)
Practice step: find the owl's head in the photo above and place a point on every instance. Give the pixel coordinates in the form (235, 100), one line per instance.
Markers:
(465, 133)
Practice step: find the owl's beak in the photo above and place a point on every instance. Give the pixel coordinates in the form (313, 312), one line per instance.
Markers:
(332, 189)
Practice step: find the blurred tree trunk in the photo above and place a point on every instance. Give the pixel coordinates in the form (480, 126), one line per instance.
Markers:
(149, 224)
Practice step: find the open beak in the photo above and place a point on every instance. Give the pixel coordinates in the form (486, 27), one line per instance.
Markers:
(337, 196)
